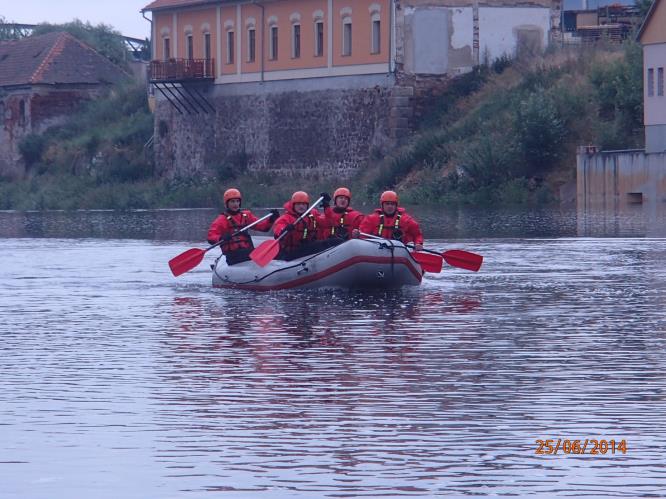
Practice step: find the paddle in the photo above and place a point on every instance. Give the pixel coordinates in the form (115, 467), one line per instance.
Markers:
(459, 258)
(429, 263)
(268, 250)
(189, 259)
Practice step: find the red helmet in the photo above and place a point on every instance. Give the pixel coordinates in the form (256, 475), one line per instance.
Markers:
(388, 197)
(230, 194)
(300, 197)
(342, 191)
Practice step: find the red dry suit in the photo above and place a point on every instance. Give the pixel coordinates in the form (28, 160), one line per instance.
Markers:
(228, 223)
(398, 226)
(341, 221)
(304, 231)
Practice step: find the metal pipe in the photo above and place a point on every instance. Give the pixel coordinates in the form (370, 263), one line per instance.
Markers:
(263, 22)
(152, 42)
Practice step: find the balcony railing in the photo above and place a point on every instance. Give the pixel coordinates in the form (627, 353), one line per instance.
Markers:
(174, 70)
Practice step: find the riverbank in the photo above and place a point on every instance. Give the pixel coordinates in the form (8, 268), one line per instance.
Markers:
(502, 134)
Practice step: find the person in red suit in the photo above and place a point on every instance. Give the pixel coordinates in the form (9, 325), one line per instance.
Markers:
(236, 248)
(343, 222)
(391, 222)
(303, 237)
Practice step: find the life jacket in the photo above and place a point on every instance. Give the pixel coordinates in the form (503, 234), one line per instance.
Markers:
(239, 241)
(303, 232)
(392, 231)
(341, 224)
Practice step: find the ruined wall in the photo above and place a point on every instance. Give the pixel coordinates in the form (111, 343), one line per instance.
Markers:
(33, 110)
(452, 36)
(275, 127)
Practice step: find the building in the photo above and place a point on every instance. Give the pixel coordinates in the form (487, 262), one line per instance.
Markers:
(610, 179)
(316, 85)
(42, 80)
(652, 36)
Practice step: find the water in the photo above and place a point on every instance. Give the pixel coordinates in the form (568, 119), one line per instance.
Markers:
(117, 380)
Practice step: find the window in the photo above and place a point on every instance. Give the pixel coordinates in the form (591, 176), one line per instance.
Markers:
(347, 37)
(650, 82)
(319, 38)
(207, 46)
(376, 36)
(660, 82)
(190, 47)
(208, 69)
(296, 41)
(167, 49)
(274, 43)
(230, 47)
(22, 113)
(251, 45)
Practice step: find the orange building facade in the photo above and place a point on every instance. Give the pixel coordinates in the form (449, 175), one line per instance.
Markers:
(278, 40)
(315, 86)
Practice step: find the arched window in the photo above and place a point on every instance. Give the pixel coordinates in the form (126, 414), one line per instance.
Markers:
(295, 19)
(273, 38)
(251, 25)
(166, 43)
(346, 15)
(318, 18)
(229, 27)
(375, 28)
(21, 113)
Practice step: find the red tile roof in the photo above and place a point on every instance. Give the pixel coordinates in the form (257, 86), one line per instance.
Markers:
(170, 4)
(54, 58)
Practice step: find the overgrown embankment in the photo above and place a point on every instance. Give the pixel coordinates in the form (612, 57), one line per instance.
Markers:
(501, 134)
(508, 133)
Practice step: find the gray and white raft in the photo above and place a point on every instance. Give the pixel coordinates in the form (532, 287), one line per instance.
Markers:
(357, 263)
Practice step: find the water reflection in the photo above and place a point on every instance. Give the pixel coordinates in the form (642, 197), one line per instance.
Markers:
(439, 223)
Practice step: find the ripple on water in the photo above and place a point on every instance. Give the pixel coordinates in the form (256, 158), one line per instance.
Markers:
(118, 380)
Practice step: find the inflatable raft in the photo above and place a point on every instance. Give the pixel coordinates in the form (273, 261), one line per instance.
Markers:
(357, 263)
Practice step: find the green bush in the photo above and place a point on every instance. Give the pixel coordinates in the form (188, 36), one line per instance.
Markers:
(539, 134)
(31, 148)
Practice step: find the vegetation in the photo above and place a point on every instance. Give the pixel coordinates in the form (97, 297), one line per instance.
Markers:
(503, 133)
(103, 38)
(508, 133)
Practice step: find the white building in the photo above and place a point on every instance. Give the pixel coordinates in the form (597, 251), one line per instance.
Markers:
(652, 36)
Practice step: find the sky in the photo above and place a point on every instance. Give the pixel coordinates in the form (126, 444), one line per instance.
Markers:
(123, 15)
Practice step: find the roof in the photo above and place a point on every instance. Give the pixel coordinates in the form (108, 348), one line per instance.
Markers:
(170, 4)
(652, 10)
(54, 58)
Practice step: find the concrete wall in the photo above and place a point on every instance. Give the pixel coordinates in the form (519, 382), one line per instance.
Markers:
(442, 39)
(655, 138)
(610, 178)
(510, 30)
(311, 131)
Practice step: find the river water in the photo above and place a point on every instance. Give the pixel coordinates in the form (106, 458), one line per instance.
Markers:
(118, 380)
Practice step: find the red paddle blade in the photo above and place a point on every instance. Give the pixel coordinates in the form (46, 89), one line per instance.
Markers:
(265, 252)
(186, 261)
(429, 263)
(463, 259)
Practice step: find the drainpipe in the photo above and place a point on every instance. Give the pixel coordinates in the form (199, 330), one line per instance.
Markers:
(152, 48)
(391, 30)
(263, 22)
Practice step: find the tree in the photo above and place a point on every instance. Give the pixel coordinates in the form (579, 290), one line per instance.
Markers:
(102, 38)
(9, 31)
